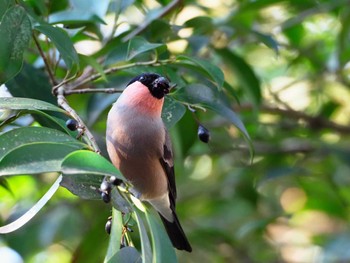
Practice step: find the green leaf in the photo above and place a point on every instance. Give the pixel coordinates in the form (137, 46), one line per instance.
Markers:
(62, 42)
(119, 202)
(268, 40)
(172, 112)
(117, 53)
(4, 184)
(115, 237)
(126, 255)
(331, 205)
(25, 218)
(83, 174)
(27, 135)
(50, 121)
(139, 45)
(89, 60)
(47, 121)
(68, 17)
(200, 24)
(295, 34)
(98, 8)
(213, 72)
(31, 83)
(163, 250)
(88, 162)
(343, 52)
(83, 185)
(15, 32)
(12, 103)
(214, 100)
(243, 72)
(36, 158)
(120, 6)
(82, 11)
(145, 244)
(4, 6)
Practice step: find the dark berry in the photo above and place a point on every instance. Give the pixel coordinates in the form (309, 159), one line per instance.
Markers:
(105, 187)
(108, 226)
(72, 124)
(203, 134)
(105, 197)
(115, 181)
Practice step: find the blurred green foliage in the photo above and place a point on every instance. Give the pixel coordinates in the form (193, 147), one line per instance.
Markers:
(279, 67)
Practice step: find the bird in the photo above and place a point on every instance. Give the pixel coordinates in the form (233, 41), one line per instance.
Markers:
(139, 145)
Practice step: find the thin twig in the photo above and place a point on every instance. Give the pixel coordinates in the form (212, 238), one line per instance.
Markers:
(166, 10)
(85, 91)
(89, 138)
(46, 62)
(113, 70)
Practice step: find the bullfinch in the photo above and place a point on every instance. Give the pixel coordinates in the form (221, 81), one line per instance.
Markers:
(139, 145)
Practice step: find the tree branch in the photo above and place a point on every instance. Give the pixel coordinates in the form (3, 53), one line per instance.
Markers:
(87, 79)
(46, 62)
(85, 91)
(313, 121)
(89, 138)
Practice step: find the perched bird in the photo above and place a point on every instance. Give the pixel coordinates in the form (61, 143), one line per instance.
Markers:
(139, 146)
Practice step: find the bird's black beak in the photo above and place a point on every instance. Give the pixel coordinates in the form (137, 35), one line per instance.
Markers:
(162, 83)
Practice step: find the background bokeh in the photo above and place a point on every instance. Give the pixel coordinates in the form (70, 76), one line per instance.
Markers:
(287, 76)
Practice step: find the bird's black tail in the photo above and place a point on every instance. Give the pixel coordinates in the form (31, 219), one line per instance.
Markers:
(176, 234)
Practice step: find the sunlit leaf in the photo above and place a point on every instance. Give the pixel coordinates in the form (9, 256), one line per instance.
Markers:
(33, 211)
(15, 32)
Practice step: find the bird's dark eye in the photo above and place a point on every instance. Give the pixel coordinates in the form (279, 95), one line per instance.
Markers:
(142, 78)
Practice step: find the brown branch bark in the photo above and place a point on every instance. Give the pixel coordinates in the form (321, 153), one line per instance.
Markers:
(46, 62)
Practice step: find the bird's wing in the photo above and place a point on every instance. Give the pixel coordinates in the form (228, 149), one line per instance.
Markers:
(168, 165)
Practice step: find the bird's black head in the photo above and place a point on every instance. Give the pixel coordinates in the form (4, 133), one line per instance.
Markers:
(157, 85)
